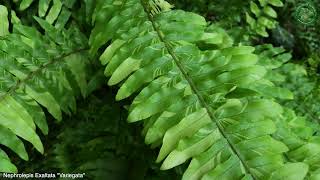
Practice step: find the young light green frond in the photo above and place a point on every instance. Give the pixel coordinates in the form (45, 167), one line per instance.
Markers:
(37, 72)
(183, 92)
(4, 24)
(5, 163)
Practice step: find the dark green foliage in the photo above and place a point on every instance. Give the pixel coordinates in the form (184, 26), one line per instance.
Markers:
(255, 16)
(99, 142)
(308, 35)
(305, 32)
(305, 87)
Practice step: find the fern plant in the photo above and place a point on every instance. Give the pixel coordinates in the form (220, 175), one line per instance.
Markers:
(75, 149)
(37, 71)
(119, 158)
(299, 133)
(196, 103)
(305, 87)
(206, 101)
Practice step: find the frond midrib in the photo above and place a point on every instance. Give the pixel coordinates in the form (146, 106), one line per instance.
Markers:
(193, 86)
(30, 75)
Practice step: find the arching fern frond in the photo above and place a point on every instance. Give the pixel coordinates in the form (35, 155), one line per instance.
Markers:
(37, 71)
(194, 103)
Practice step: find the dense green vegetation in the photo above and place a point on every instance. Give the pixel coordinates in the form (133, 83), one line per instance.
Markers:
(155, 89)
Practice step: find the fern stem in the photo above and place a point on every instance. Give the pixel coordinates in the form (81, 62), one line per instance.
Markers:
(193, 86)
(43, 66)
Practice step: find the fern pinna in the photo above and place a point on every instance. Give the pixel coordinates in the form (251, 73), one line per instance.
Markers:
(36, 71)
(56, 12)
(193, 95)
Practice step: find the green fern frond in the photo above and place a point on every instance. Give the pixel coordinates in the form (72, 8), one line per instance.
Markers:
(305, 86)
(4, 25)
(107, 147)
(37, 71)
(253, 17)
(272, 58)
(55, 12)
(264, 16)
(190, 99)
(299, 135)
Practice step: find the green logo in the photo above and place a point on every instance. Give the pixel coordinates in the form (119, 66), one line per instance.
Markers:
(306, 13)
